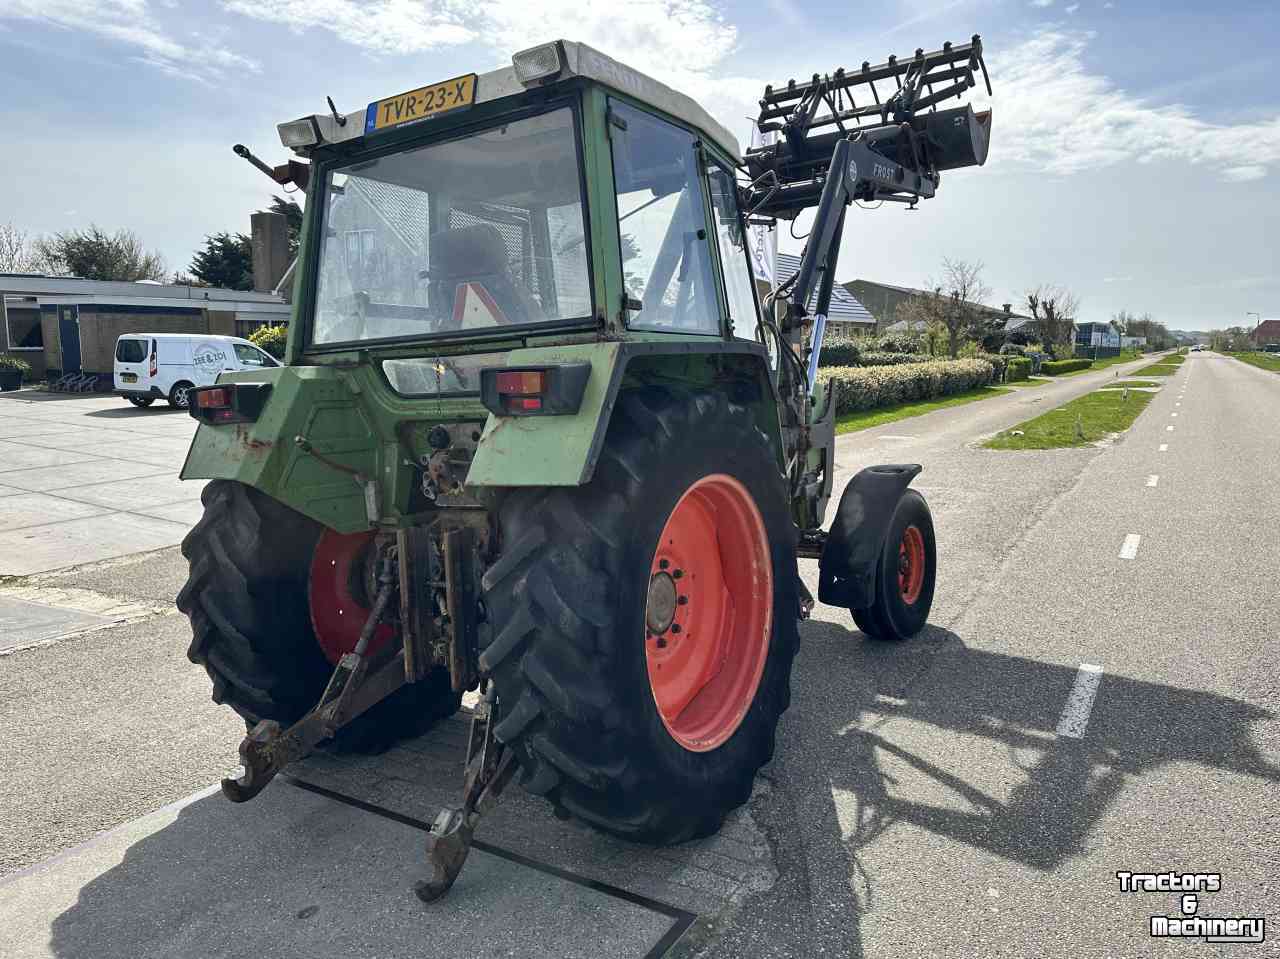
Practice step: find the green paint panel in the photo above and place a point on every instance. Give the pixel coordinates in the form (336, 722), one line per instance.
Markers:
(307, 401)
(547, 450)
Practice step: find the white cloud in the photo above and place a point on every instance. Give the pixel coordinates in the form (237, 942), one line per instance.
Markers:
(1241, 174)
(1072, 8)
(380, 26)
(1052, 113)
(682, 42)
(129, 22)
(1042, 3)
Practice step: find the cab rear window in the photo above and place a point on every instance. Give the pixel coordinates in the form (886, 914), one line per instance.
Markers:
(131, 351)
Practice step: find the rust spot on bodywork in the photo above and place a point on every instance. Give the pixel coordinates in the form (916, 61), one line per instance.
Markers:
(254, 446)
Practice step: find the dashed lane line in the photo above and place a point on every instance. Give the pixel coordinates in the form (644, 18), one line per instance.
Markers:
(1129, 550)
(1153, 479)
(1075, 714)
(1164, 447)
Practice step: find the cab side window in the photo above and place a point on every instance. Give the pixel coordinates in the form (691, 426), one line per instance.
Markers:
(739, 284)
(666, 255)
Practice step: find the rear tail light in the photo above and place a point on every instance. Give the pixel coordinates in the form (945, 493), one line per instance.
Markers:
(153, 366)
(229, 403)
(214, 398)
(534, 390)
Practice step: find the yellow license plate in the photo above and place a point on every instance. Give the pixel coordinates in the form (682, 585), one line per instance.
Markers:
(129, 377)
(421, 104)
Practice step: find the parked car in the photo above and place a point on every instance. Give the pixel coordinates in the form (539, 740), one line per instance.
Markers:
(152, 366)
(1271, 348)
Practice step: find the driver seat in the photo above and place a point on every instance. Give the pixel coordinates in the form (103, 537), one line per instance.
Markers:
(473, 260)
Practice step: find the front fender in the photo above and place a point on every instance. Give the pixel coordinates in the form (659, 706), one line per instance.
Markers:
(847, 567)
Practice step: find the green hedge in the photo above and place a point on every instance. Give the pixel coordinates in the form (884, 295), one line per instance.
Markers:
(839, 349)
(873, 387)
(1054, 367)
(15, 363)
(270, 338)
(998, 364)
(1019, 369)
(889, 359)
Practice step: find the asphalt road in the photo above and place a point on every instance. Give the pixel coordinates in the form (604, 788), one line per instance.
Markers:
(922, 801)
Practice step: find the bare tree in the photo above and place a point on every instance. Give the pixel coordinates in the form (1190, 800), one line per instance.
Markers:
(18, 251)
(1054, 309)
(960, 295)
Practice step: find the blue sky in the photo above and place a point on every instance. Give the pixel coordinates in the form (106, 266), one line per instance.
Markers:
(1134, 155)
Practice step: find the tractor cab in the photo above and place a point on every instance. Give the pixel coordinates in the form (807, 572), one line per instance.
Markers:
(564, 195)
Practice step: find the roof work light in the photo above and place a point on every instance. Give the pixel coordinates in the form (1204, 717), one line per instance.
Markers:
(538, 64)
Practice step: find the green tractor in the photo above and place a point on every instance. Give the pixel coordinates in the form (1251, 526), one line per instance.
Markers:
(537, 438)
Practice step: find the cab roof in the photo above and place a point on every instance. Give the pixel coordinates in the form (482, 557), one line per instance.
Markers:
(578, 60)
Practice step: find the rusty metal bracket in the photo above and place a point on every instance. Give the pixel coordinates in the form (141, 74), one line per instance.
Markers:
(350, 692)
(267, 750)
(490, 769)
(418, 574)
(461, 601)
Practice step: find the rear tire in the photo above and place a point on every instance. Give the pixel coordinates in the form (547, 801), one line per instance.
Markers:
(246, 597)
(902, 601)
(180, 396)
(567, 601)
(141, 401)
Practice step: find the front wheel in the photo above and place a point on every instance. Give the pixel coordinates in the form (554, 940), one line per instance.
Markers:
(642, 627)
(905, 574)
(142, 401)
(180, 395)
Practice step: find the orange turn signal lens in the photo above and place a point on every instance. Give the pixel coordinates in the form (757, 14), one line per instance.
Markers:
(213, 399)
(521, 383)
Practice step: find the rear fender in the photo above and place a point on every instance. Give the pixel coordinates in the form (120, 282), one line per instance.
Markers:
(562, 450)
(847, 568)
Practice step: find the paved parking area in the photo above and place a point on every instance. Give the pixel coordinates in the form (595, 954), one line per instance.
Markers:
(88, 478)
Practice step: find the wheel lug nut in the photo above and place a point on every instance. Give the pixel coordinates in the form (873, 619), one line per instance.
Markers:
(675, 627)
(662, 643)
(677, 574)
(683, 600)
(663, 564)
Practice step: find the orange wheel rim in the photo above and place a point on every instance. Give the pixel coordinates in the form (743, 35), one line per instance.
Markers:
(709, 612)
(337, 615)
(911, 562)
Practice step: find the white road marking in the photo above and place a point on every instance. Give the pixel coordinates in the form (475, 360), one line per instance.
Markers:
(1173, 414)
(897, 437)
(1169, 429)
(1075, 714)
(1130, 548)
(1164, 447)
(1179, 403)
(1153, 479)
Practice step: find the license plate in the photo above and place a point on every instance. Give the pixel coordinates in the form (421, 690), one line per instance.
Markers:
(421, 104)
(129, 377)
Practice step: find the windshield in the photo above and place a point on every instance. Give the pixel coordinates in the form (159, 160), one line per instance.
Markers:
(481, 232)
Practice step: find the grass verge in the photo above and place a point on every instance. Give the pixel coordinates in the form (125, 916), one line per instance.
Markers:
(1263, 361)
(865, 419)
(1157, 369)
(1131, 383)
(1101, 414)
(1102, 364)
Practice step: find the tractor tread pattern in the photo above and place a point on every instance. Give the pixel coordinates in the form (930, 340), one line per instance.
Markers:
(552, 654)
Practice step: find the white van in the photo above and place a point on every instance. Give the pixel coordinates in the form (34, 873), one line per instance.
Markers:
(152, 366)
